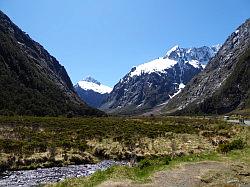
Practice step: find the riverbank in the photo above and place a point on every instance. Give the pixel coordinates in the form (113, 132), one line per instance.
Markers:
(207, 169)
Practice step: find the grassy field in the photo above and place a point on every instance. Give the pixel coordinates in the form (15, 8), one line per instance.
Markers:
(31, 142)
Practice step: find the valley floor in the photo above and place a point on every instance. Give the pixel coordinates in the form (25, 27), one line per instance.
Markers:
(156, 143)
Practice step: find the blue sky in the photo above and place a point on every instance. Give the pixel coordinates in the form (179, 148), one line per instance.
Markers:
(106, 38)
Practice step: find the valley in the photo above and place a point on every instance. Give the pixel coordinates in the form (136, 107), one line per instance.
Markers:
(182, 119)
(40, 142)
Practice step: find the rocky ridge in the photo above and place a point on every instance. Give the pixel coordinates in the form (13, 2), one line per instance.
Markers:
(223, 86)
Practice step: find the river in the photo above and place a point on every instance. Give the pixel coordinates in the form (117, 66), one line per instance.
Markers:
(27, 178)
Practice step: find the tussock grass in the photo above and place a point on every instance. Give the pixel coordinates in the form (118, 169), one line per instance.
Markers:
(30, 142)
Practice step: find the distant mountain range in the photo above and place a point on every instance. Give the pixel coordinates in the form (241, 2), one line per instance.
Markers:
(32, 82)
(92, 92)
(224, 84)
(185, 81)
(157, 81)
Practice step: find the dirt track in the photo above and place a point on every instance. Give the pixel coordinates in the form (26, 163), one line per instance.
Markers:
(196, 174)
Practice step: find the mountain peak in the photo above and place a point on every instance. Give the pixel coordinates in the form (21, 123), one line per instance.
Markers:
(89, 83)
(202, 54)
(175, 48)
(91, 79)
(197, 57)
(223, 87)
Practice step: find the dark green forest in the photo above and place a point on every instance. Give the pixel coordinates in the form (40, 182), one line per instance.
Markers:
(29, 78)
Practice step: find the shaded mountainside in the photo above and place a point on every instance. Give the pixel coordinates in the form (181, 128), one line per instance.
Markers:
(224, 84)
(92, 98)
(32, 82)
(92, 92)
(152, 84)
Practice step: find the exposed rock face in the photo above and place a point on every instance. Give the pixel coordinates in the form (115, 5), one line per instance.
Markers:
(92, 92)
(32, 82)
(223, 86)
(155, 82)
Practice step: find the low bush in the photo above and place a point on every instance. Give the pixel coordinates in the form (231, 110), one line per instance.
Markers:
(154, 161)
(235, 144)
(144, 163)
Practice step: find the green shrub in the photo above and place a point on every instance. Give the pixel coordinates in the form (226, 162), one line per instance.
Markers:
(144, 163)
(77, 160)
(147, 162)
(235, 144)
(166, 160)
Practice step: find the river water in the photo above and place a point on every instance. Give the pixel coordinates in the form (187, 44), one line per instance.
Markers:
(27, 178)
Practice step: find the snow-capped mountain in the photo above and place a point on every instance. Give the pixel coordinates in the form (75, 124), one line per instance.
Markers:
(92, 92)
(197, 57)
(155, 82)
(224, 84)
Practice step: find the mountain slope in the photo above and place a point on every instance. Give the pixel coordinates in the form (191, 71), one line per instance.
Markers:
(92, 92)
(32, 82)
(155, 82)
(224, 84)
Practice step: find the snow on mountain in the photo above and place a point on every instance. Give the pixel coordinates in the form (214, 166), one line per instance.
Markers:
(92, 91)
(196, 57)
(157, 65)
(224, 85)
(195, 63)
(181, 86)
(155, 82)
(91, 84)
(172, 50)
(201, 54)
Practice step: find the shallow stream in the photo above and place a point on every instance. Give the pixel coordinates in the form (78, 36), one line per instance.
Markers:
(27, 178)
